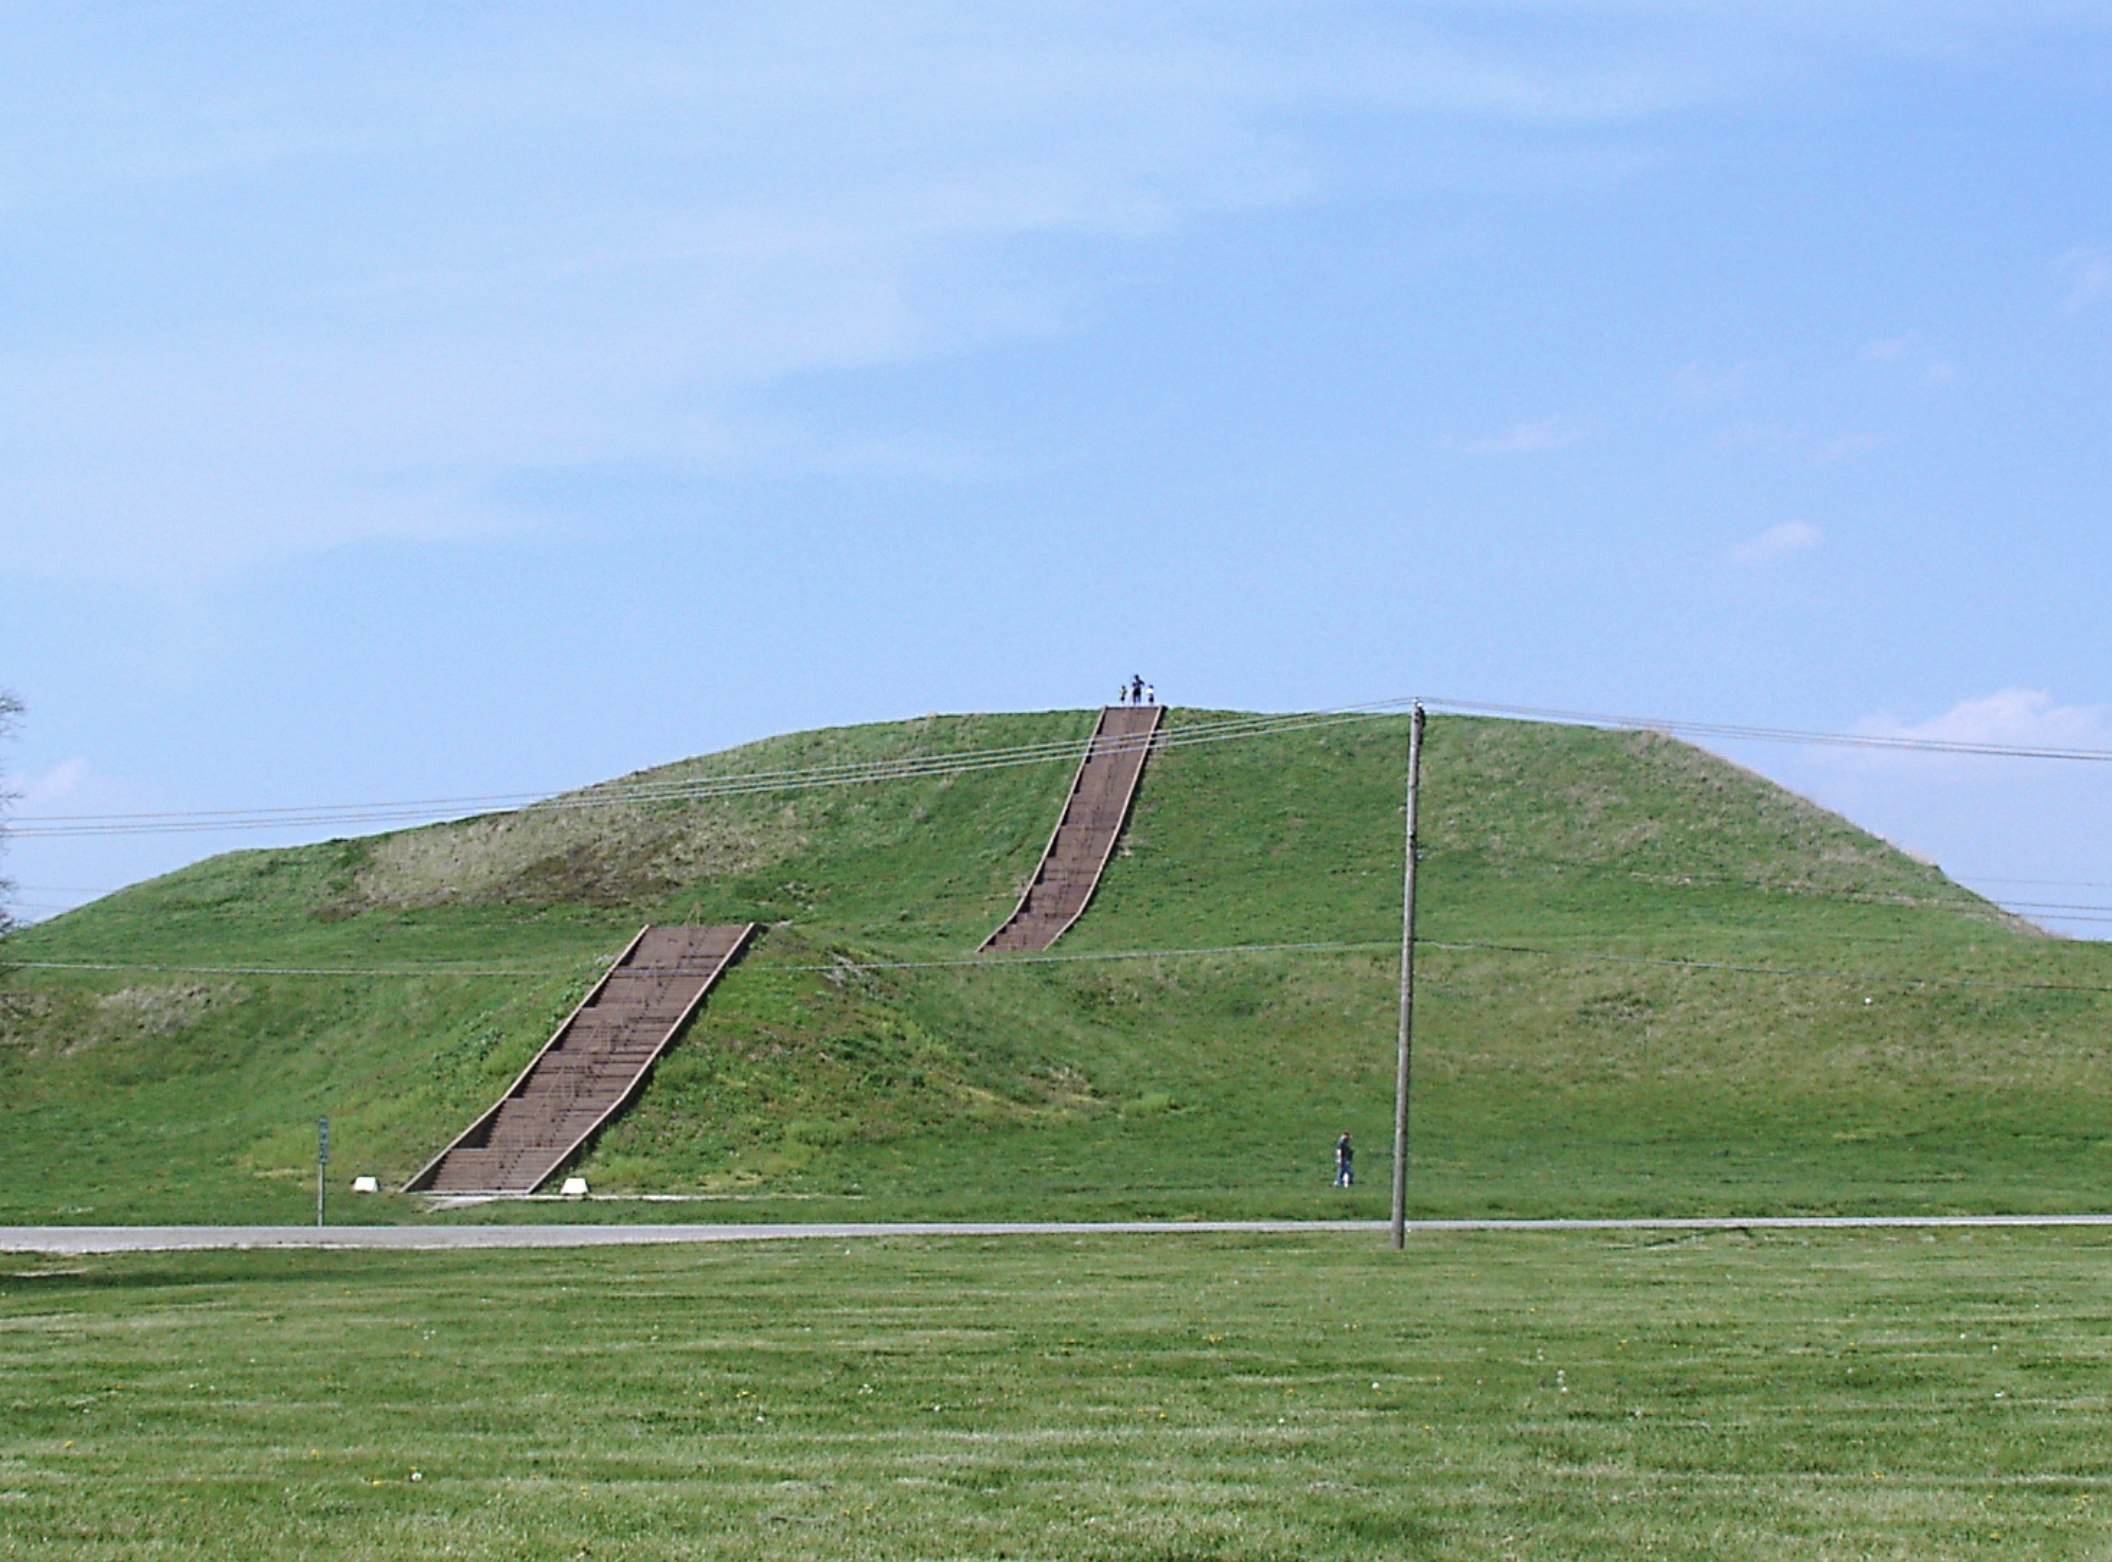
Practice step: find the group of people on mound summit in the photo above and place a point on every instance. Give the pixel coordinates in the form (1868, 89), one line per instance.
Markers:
(1136, 692)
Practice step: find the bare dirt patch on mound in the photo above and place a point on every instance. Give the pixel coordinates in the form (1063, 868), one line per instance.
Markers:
(565, 854)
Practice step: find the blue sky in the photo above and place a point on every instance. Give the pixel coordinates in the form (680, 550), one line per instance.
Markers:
(400, 400)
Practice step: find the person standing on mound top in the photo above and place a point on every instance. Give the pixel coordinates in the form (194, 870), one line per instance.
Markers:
(1136, 688)
(1151, 695)
(1345, 1170)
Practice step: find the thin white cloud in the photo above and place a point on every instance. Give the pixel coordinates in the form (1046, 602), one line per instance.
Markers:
(1748, 435)
(2020, 718)
(2086, 274)
(1780, 439)
(1699, 382)
(62, 781)
(1523, 439)
(2026, 718)
(1777, 542)
(1846, 447)
(1935, 370)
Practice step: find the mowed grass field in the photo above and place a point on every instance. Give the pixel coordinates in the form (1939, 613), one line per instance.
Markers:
(1835, 1394)
(1654, 984)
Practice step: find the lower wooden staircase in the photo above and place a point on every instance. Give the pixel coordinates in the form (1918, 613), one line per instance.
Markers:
(592, 1067)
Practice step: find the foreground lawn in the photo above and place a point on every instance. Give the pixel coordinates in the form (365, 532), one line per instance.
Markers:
(1828, 1394)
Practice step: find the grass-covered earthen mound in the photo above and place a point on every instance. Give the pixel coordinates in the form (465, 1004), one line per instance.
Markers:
(1926, 1052)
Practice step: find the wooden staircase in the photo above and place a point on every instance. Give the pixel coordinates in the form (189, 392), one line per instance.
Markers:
(1092, 819)
(592, 1067)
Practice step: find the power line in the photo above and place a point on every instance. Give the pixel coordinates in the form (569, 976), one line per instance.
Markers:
(1989, 878)
(627, 795)
(1978, 909)
(1894, 979)
(1961, 904)
(1963, 901)
(1735, 732)
(683, 789)
(160, 969)
(963, 761)
(847, 966)
(844, 966)
(1674, 878)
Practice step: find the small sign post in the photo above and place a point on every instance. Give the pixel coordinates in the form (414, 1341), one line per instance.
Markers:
(322, 1162)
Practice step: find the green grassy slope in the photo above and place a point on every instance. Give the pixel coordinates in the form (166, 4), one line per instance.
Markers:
(1198, 1084)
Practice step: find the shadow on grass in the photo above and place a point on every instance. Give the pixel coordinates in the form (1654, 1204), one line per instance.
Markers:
(129, 1274)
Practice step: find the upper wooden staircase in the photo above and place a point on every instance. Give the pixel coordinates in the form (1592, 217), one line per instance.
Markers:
(1092, 819)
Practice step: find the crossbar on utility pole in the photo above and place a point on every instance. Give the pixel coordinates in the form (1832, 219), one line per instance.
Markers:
(1407, 1033)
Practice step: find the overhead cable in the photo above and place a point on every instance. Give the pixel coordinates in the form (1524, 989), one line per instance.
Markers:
(1874, 978)
(964, 761)
(844, 966)
(635, 794)
(847, 966)
(1736, 732)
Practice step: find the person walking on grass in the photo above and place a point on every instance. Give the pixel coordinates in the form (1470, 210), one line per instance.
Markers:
(1345, 1157)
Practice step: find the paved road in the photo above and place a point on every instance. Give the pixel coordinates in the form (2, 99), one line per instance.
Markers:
(152, 1239)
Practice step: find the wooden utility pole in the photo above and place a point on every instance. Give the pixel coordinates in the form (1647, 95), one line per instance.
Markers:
(1400, 1077)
